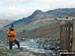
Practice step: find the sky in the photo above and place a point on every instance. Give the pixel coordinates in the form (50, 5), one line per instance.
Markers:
(17, 9)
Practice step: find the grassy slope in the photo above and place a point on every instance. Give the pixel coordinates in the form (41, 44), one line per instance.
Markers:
(50, 30)
(42, 29)
(33, 26)
(29, 28)
(4, 52)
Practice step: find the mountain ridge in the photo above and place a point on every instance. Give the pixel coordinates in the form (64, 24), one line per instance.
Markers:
(62, 11)
(38, 14)
(40, 19)
(4, 22)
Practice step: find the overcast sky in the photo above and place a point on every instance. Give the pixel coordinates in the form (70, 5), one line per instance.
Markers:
(17, 9)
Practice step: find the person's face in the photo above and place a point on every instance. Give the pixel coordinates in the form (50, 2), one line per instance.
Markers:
(12, 27)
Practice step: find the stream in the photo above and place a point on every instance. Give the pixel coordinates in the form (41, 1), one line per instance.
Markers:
(38, 45)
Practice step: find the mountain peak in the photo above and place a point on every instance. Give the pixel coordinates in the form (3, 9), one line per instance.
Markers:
(37, 12)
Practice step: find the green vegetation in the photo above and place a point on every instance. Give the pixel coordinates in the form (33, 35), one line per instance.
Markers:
(47, 31)
(33, 26)
(73, 15)
(9, 51)
(43, 29)
(4, 52)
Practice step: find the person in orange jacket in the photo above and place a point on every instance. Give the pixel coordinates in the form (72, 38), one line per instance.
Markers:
(11, 33)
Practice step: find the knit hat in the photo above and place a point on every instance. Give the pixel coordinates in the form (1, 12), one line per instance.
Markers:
(12, 25)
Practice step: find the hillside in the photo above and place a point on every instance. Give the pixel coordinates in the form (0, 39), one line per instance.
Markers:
(59, 13)
(47, 31)
(4, 22)
(38, 20)
(40, 16)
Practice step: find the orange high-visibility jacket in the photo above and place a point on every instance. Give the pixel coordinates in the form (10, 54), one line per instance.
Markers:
(9, 35)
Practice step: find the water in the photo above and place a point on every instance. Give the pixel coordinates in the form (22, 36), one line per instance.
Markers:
(36, 45)
(33, 45)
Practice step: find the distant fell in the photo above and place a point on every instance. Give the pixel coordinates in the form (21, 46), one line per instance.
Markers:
(38, 17)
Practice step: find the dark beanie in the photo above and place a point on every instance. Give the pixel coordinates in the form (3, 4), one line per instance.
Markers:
(12, 25)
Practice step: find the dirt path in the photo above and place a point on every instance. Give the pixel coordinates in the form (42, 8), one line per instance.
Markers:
(24, 54)
(17, 54)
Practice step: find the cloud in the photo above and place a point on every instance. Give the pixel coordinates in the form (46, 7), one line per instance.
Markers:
(12, 13)
(16, 9)
(15, 13)
(48, 3)
(52, 4)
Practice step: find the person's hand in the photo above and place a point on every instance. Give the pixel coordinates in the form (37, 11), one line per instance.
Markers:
(12, 35)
